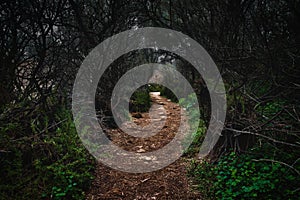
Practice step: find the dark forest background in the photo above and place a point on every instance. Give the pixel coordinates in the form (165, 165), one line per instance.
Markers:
(255, 44)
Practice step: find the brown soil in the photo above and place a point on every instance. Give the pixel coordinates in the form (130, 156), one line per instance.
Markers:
(170, 182)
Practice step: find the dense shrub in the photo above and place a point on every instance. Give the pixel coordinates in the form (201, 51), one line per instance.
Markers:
(42, 159)
(140, 100)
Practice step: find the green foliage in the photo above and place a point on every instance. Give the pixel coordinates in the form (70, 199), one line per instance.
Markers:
(189, 104)
(198, 137)
(203, 174)
(140, 101)
(168, 94)
(45, 159)
(244, 177)
(260, 87)
(155, 87)
(73, 170)
(270, 108)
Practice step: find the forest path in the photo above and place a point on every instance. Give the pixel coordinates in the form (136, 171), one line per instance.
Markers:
(170, 182)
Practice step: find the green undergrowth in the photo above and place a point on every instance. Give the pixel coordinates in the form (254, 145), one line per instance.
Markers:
(195, 123)
(42, 156)
(267, 170)
(246, 177)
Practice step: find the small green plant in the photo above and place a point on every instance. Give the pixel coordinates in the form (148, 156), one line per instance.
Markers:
(60, 192)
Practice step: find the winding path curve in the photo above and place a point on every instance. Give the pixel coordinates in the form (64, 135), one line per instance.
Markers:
(168, 183)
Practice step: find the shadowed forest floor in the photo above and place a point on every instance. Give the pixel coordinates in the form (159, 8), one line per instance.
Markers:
(170, 182)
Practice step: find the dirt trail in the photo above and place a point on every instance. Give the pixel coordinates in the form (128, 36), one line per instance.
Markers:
(168, 183)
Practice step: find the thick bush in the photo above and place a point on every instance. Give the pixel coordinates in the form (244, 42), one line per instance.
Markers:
(42, 159)
(140, 100)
